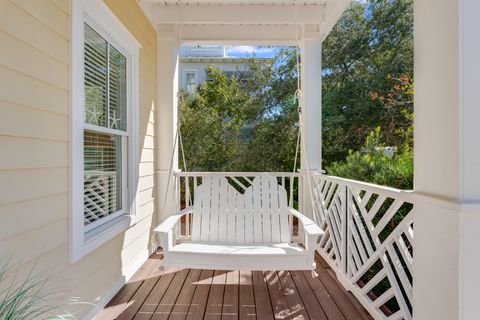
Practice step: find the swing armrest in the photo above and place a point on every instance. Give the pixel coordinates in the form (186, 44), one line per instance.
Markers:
(313, 233)
(165, 229)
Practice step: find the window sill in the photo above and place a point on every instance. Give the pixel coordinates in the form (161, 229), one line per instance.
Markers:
(100, 235)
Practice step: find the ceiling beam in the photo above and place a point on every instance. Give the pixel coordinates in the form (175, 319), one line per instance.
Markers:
(333, 12)
(244, 24)
(233, 34)
(234, 14)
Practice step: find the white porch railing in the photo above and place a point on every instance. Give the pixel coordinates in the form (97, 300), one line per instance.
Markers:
(368, 238)
(368, 242)
(186, 183)
(100, 197)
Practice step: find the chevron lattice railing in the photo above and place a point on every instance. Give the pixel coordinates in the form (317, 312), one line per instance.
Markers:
(368, 242)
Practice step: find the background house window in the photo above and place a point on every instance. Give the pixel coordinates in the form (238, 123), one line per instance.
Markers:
(190, 81)
(105, 133)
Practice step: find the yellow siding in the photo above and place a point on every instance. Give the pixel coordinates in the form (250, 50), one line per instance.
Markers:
(34, 142)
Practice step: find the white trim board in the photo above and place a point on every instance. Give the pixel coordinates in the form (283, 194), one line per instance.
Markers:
(97, 14)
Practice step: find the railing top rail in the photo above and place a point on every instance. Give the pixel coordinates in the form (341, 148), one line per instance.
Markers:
(235, 174)
(406, 195)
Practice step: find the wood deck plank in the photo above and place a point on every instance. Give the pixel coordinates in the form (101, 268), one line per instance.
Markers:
(292, 296)
(200, 298)
(157, 293)
(121, 300)
(351, 309)
(180, 310)
(263, 305)
(277, 297)
(230, 296)
(322, 261)
(141, 295)
(311, 304)
(165, 305)
(246, 297)
(151, 302)
(323, 296)
(215, 297)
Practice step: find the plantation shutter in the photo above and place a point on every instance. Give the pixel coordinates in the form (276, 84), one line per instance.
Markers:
(104, 145)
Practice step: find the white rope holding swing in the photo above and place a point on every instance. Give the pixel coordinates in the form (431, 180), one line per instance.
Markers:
(178, 141)
(298, 96)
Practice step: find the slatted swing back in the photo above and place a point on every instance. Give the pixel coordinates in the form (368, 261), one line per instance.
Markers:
(221, 214)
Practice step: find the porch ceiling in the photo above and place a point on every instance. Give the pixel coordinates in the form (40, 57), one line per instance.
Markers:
(241, 2)
(244, 21)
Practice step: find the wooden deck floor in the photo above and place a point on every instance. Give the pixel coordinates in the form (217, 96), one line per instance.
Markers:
(157, 293)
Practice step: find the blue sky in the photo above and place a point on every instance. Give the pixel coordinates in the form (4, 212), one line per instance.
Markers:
(248, 51)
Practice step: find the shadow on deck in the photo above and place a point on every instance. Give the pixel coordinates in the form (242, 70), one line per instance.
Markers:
(158, 293)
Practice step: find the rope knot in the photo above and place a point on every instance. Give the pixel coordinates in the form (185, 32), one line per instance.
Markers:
(296, 98)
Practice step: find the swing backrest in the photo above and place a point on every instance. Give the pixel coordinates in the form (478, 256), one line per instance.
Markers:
(221, 214)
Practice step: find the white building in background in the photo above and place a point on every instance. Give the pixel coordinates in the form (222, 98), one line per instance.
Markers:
(195, 59)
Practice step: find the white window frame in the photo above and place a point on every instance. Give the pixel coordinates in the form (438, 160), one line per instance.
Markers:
(185, 83)
(98, 16)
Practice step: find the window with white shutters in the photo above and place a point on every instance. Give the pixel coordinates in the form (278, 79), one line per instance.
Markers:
(105, 137)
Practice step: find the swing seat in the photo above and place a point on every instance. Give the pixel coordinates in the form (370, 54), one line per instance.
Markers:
(233, 231)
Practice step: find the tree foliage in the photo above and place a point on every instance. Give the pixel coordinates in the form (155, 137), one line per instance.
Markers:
(250, 122)
(211, 123)
(370, 47)
(371, 163)
(245, 123)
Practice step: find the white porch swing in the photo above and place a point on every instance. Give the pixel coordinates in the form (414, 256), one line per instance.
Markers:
(234, 231)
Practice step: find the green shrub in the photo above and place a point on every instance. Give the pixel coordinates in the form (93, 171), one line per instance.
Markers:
(373, 164)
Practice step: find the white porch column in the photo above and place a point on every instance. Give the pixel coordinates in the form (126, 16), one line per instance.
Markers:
(311, 79)
(447, 160)
(167, 88)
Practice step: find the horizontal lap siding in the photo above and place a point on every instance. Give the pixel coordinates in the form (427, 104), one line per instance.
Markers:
(34, 142)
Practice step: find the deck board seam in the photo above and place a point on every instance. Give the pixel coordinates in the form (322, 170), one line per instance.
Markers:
(345, 316)
(319, 302)
(163, 295)
(253, 293)
(193, 295)
(223, 294)
(296, 290)
(146, 296)
(179, 292)
(208, 294)
(341, 289)
(298, 275)
(269, 295)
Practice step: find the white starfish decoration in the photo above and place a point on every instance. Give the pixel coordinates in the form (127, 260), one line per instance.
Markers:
(114, 120)
(93, 115)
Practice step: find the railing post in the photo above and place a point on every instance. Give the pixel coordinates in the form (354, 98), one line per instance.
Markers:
(187, 202)
(177, 199)
(301, 205)
(345, 229)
